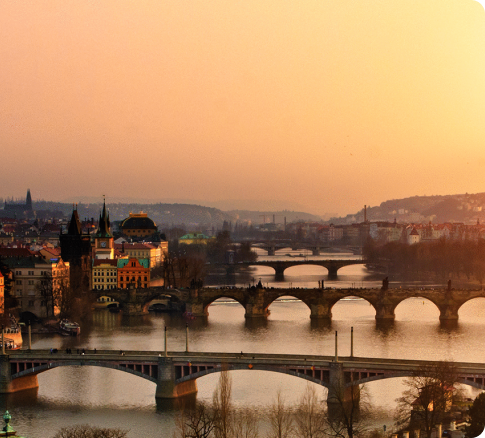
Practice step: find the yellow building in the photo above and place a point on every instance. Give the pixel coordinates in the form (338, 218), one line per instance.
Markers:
(105, 274)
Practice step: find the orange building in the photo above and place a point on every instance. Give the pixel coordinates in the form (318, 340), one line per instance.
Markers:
(133, 271)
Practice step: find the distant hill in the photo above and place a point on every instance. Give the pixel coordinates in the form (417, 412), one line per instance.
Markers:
(190, 215)
(466, 208)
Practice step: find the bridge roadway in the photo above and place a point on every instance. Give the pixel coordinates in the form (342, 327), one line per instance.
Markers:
(175, 373)
(256, 301)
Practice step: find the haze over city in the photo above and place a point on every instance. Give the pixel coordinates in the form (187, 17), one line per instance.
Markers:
(323, 106)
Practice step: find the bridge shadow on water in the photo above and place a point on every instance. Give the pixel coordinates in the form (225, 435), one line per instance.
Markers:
(187, 402)
(20, 399)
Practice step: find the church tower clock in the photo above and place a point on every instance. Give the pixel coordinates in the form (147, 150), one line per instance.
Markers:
(103, 239)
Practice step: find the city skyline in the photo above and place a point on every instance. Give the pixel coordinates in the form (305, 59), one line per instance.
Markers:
(322, 106)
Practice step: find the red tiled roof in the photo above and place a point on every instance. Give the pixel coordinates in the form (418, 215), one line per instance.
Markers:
(16, 252)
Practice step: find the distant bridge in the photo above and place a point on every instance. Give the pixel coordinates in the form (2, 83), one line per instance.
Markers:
(316, 248)
(280, 266)
(256, 301)
(175, 373)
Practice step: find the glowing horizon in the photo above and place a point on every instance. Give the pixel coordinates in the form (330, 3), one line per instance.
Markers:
(328, 106)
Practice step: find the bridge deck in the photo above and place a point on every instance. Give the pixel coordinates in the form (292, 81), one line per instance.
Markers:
(266, 358)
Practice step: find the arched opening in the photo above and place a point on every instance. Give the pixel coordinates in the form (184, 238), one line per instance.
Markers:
(472, 311)
(225, 310)
(353, 308)
(68, 385)
(417, 309)
(288, 308)
(258, 389)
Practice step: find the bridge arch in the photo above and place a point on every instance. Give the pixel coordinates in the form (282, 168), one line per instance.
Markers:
(422, 299)
(357, 294)
(308, 375)
(466, 302)
(276, 296)
(478, 383)
(52, 365)
(206, 303)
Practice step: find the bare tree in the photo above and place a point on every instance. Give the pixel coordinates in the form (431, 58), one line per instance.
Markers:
(222, 405)
(310, 418)
(428, 397)
(244, 425)
(85, 431)
(349, 416)
(196, 423)
(280, 419)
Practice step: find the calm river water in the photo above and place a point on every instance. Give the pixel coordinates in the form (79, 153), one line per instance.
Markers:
(110, 398)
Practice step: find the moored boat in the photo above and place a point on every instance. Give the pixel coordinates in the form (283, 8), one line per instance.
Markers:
(69, 327)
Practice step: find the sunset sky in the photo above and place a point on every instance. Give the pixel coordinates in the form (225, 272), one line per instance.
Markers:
(326, 105)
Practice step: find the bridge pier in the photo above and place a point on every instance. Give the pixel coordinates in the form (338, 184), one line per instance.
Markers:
(321, 310)
(196, 308)
(448, 312)
(339, 395)
(384, 307)
(332, 272)
(279, 273)
(166, 386)
(7, 385)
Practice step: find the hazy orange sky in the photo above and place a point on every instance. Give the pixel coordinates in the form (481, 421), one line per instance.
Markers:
(326, 104)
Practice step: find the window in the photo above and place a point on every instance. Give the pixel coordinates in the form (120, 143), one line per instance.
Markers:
(31, 303)
(121, 278)
(133, 264)
(18, 281)
(31, 282)
(31, 272)
(18, 272)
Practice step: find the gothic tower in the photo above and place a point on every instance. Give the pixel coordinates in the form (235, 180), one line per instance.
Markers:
(103, 239)
(76, 249)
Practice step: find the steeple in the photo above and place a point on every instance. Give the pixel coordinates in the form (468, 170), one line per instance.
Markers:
(75, 224)
(28, 201)
(104, 224)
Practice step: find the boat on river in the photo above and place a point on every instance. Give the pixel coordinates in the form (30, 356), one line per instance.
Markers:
(69, 327)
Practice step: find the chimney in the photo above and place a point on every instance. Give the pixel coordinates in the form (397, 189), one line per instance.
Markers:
(365, 213)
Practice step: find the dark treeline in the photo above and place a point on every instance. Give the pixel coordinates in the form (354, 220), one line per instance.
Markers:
(442, 259)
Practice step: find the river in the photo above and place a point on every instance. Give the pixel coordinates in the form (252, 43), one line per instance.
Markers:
(110, 398)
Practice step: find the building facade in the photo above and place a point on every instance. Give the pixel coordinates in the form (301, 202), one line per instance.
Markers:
(133, 271)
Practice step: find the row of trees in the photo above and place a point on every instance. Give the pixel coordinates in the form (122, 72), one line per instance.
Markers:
(186, 265)
(443, 258)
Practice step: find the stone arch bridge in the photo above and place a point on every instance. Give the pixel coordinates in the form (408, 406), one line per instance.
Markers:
(319, 301)
(280, 266)
(175, 373)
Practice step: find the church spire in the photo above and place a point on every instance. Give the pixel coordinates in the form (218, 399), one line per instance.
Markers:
(104, 224)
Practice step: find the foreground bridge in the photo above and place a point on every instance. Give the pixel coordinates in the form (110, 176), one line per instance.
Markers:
(175, 373)
(256, 301)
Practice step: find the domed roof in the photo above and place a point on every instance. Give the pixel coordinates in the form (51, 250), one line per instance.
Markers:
(138, 220)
